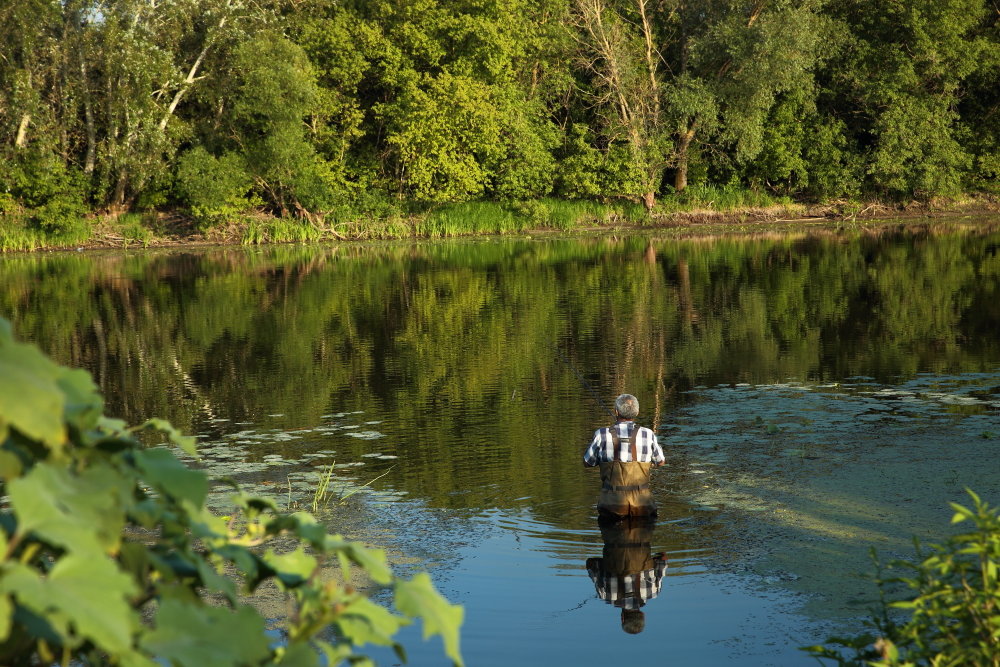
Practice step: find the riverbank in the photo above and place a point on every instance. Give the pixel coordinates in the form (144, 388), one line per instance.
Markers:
(711, 212)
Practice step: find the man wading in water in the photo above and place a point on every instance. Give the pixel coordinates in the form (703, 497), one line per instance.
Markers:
(626, 452)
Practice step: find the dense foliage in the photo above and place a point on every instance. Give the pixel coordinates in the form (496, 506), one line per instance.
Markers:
(952, 602)
(111, 557)
(342, 109)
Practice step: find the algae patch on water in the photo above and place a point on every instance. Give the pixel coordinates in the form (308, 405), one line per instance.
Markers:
(809, 477)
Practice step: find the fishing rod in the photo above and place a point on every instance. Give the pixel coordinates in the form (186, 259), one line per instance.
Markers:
(583, 380)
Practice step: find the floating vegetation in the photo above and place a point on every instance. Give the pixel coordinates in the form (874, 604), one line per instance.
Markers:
(366, 435)
(248, 456)
(794, 420)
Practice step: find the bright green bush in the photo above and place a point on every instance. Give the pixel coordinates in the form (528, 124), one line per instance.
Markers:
(214, 188)
(52, 194)
(109, 555)
(952, 606)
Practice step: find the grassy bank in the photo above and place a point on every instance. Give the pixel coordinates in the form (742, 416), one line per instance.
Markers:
(696, 205)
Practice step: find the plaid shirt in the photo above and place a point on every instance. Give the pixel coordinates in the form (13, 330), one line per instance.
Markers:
(601, 448)
(630, 591)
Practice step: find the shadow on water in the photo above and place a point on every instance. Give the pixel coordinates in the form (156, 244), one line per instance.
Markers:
(816, 395)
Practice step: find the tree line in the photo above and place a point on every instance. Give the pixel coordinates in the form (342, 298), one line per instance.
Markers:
(367, 107)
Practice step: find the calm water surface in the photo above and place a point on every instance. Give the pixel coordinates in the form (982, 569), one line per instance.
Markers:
(453, 387)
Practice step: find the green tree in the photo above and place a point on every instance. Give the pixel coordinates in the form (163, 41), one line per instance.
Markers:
(449, 94)
(274, 93)
(900, 79)
(667, 75)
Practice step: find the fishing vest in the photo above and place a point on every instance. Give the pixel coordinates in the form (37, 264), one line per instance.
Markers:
(625, 484)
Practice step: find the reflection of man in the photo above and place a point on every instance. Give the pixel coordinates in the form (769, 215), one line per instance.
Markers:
(628, 575)
(626, 452)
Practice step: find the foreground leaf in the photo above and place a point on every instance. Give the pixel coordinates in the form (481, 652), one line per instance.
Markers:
(190, 636)
(419, 599)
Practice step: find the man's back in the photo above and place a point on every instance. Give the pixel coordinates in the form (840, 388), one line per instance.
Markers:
(625, 453)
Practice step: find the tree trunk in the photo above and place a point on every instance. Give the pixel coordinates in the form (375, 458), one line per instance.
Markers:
(681, 175)
(191, 77)
(683, 144)
(88, 115)
(22, 131)
(649, 200)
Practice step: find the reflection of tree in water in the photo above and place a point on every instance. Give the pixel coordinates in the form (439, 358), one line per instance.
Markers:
(628, 575)
(453, 342)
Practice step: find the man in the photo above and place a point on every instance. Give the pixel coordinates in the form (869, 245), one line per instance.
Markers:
(625, 452)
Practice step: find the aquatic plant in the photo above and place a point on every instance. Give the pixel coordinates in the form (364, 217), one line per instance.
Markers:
(951, 605)
(108, 553)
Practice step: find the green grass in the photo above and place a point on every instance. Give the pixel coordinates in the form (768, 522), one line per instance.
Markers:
(134, 229)
(281, 230)
(718, 198)
(470, 218)
(322, 491)
(548, 213)
(18, 233)
(15, 236)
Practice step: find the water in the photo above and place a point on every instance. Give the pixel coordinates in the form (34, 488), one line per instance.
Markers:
(816, 394)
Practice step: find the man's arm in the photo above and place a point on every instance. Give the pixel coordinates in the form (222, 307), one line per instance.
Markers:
(590, 457)
(658, 458)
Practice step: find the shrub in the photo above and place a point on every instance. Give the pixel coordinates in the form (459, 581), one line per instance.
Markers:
(52, 193)
(952, 607)
(214, 189)
(109, 552)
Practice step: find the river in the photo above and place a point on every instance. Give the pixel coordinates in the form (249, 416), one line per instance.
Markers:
(817, 393)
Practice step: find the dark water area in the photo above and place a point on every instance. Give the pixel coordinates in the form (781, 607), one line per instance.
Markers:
(453, 387)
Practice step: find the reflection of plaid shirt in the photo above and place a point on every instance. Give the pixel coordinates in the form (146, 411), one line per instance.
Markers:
(602, 446)
(630, 591)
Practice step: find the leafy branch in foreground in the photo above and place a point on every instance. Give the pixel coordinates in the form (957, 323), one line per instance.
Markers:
(953, 603)
(108, 554)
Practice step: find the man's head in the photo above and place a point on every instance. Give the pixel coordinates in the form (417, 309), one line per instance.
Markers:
(627, 406)
(633, 621)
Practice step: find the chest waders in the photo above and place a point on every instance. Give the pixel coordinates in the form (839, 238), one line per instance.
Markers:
(625, 484)
(627, 554)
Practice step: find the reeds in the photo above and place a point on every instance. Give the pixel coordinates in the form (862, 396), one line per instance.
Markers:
(322, 494)
(719, 198)
(281, 230)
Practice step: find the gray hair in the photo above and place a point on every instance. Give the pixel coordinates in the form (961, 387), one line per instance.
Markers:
(627, 406)
(633, 621)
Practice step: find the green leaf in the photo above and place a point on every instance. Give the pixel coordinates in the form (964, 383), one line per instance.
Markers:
(88, 592)
(94, 594)
(298, 654)
(334, 653)
(418, 598)
(292, 569)
(162, 470)
(191, 635)
(215, 582)
(10, 465)
(372, 561)
(364, 622)
(6, 614)
(77, 512)
(84, 405)
(30, 398)
(185, 442)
